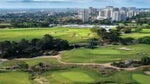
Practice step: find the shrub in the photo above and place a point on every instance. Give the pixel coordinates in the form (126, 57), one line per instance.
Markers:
(126, 41)
(145, 60)
(145, 40)
(127, 30)
(138, 30)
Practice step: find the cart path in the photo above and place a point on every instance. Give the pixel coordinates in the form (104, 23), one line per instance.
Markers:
(59, 59)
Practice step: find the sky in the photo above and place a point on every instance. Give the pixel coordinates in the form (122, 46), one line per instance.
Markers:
(73, 3)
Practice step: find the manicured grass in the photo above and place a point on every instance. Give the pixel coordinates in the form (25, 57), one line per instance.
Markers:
(32, 62)
(144, 32)
(71, 76)
(77, 76)
(70, 34)
(106, 54)
(82, 76)
(142, 79)
(122, 77)
(14, 78)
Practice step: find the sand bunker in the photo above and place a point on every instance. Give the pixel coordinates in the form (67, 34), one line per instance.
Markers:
(147, 72)
(125, 48)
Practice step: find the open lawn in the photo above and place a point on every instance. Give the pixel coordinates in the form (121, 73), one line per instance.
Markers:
(71, 76)
(70, 34)
(14, 78)
(106, 54)
(142, 79)
(144, 32)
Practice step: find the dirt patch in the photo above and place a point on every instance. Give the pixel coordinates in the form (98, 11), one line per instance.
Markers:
(125, 48)
(147, 73)
(41, 80)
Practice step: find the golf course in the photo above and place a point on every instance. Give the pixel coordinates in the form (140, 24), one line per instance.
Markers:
(71, 62)
(75, 76)
(14, 78)
(144, 32)
(72, 76)
(73, 35)
(106, 54)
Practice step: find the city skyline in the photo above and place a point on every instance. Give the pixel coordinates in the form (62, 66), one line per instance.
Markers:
(72, 3)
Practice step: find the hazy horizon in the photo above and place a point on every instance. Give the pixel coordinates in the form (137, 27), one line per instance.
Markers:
(72, 3)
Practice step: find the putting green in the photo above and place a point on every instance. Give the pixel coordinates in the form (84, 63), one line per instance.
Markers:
(72, 76)
(14, 78)
(142, 79)
(77, 76)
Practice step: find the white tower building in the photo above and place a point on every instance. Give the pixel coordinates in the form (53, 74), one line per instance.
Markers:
(84, 15)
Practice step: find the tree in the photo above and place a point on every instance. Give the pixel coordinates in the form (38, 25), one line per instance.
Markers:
(46, 42)
(35, 47)
(61, 44)
(126, 41)
(145, 60)
(107, 36)
(145, 40)
(127, 30)
(138, 30)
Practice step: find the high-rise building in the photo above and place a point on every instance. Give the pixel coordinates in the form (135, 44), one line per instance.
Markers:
(116, 15)
(106, 13)
(130, 13)
(109, 11)
(102, 14)
(92, 11)
(123, 13)
(84, 15)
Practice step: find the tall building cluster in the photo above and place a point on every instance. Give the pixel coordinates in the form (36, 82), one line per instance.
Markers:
(110, 12)
(117, 14)
(84, 15)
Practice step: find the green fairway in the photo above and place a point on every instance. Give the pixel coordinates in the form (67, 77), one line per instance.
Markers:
(144, 32)
(72, 76)
(77, 76)
(70, 34)
(32, 62)
(14, 78)
(142, 79)
(82, 76)
(106, 54)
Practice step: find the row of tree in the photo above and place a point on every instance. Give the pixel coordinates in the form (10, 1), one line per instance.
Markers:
(35, 47)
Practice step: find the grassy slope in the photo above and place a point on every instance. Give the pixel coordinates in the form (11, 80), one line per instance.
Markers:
(142, 79)
(32, 62)
(14, 78)
(106, 54)
(70, 34)
(72, 76)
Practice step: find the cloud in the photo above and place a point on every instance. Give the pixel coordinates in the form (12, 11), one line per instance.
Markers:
(75, 3)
